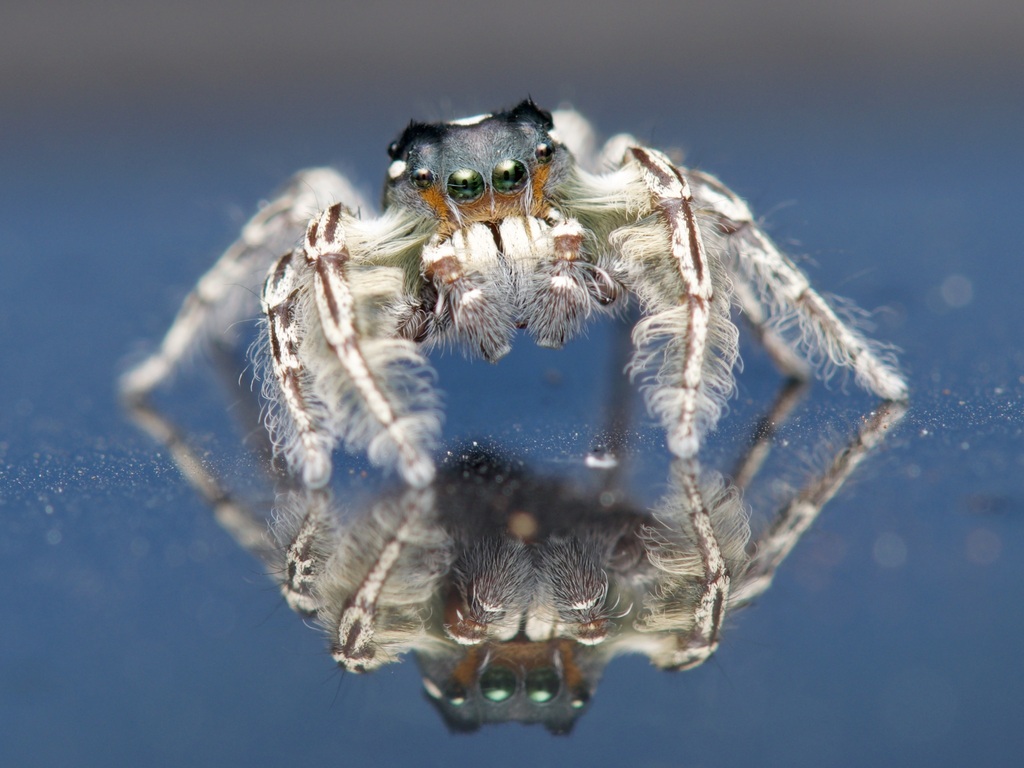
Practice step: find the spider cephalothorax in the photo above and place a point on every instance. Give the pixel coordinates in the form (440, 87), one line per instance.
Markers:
(493, 224)
(480, 169)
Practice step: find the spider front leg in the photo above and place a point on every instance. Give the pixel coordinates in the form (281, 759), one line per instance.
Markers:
(686, 347)
(336, 374)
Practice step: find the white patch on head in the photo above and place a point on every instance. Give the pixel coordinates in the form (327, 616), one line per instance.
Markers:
(470, 120)
(396, 169)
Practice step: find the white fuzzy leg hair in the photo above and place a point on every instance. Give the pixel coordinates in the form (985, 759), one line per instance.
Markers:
(224, 295)
(793, 311)
(338, 371)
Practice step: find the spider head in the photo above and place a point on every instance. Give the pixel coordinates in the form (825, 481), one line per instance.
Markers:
(481, 168)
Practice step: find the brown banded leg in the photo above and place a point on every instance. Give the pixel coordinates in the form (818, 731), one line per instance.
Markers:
(676, 396)
(472, 299)
(779, 296)
(301, 430)
(377, 417)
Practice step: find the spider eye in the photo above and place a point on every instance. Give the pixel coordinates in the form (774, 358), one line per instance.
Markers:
(455, 694)
(580, 699)
(465, 185)
(542, 685)
(422, 178)
(544, 152)
(508, 175)
(498, 684)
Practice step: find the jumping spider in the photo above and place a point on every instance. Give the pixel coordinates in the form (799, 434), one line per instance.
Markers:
(491, 224)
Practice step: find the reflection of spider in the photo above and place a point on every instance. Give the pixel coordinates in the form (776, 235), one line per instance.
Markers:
(490, 224)
(515, 589)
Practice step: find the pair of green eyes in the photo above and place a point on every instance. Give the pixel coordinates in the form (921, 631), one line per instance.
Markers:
(466, 184)
(498, 684)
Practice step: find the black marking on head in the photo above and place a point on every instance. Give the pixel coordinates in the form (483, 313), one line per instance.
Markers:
(414, 133)
(525, 112)
(528, 112)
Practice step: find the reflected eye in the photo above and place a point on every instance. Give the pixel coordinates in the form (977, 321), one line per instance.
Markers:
(508, 175)
(579, 701)
(422, 178)
(542, 685)
(498, 684)
(544, 152)
(465, 185)
(455, 694)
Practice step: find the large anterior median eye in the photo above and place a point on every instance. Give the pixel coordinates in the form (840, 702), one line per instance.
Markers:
(542, 685)
(508, 176)
(498, 683)
(465, 185)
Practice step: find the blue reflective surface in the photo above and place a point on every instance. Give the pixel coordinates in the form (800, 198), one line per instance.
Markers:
(137, 632)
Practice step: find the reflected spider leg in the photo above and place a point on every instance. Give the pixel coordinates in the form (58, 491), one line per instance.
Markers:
(355, 647)
(792, 521)
(695, 646)
(730, 568)
(757, 451)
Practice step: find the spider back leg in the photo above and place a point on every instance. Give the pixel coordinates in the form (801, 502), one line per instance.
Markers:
(219, 299)
(799, 326)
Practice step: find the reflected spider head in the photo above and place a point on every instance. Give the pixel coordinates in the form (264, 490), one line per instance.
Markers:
(529, 682)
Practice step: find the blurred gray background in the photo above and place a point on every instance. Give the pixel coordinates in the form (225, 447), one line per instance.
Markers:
(114, 58)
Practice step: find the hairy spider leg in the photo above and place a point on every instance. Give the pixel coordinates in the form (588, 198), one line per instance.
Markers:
(354, 389)
(687, 392)
(307, 444)
(355, 646)
(220, 297)
(779, 300)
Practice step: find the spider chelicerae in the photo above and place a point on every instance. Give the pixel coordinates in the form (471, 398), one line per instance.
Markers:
(492, 224)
